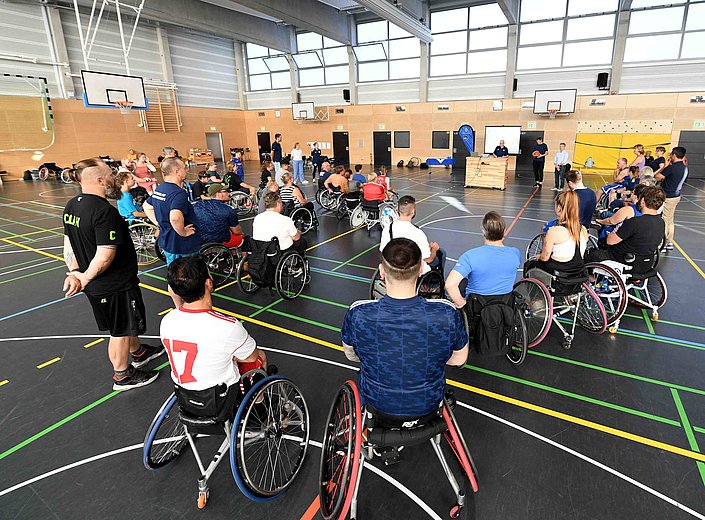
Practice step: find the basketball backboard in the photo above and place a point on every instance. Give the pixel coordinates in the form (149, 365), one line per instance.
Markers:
(561, 100)
(103, 90)
(303, 110)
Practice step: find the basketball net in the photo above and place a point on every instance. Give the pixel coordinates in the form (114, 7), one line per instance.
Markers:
(125, 107)
(552, 113)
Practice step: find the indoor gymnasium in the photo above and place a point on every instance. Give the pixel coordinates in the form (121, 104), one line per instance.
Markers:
(365, 259)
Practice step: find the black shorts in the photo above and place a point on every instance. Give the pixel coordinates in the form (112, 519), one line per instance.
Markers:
(122, 313)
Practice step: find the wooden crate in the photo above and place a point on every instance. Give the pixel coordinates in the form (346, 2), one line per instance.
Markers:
(200, 156)
(486, 172)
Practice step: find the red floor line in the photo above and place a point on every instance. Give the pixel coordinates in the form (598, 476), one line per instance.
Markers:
(312, 510)
(521, 211)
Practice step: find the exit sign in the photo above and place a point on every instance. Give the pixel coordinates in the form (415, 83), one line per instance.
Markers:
(699, 124)
(530, 125)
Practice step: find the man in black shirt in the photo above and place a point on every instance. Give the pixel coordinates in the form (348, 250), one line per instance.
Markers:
(277, 152)
(539, 153)
(102, 263)
(672, 178)
(501, 150)
(200, 187)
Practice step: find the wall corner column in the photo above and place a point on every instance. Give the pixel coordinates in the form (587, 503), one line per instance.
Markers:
(164, 54)
(620, 44)
(59, 51)
(511, 61)
(240, 73)
(423, 72)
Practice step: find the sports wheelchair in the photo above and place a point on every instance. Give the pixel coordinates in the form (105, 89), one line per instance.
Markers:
(429, 285)
(46, 170)
(347, 204)
(242, 202)
(329, 199)
(355, 434)
(266, 265)
(266, 433)
(369, 214)
(144, 237)
(304, 218)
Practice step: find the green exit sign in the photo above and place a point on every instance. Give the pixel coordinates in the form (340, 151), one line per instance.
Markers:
(531, 125)
(699, 124)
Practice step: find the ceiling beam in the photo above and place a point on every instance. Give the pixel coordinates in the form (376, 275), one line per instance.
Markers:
(510, 8)
(625, 5)
(399, 17)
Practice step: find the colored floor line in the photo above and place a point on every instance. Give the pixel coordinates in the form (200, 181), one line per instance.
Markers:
(340, 275)
(35, 273)
(355, 257)
(690, 260)
(649, 325)
(92, 343)
(266, 308)
(339, 262)
(4, 382)
(47, 363)
(692, 442)
(41, 230)
(666, 322)
(336, 237)
(521, 211)
(162, 313)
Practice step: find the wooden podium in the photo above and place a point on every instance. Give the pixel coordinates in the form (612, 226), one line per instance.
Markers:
(486, 172)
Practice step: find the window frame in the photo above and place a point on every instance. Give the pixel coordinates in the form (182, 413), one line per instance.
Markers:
(385, 43)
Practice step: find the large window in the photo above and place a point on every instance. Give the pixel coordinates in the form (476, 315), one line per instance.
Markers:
(321, 61)
(385, 51)
(659, 32)
(468, 40)
(267, 68)
(566, 33)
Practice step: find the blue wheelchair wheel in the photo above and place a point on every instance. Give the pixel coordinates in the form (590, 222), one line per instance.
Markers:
(166, 436)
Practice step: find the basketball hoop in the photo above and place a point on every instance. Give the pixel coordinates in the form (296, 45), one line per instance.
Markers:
(552, 113)
(125, 107)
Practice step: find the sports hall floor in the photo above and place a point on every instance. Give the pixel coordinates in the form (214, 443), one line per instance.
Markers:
(609, 429)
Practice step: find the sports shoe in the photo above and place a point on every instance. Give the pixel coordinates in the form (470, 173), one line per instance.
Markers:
(669, 247)
(555, 189)
(134, 379)
(148, 354)
(304, 182)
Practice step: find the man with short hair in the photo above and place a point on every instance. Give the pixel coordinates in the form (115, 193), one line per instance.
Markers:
(283, 168)
(337, 181)
(587, 200)
(539, 153)
(560, 162)
(102, 263)
(402, 341)
(325, 173)
(217, 221)
(277, 151)
(672, 178)
(358, 176)
(272, 224)
(500, 150)
(316, 159)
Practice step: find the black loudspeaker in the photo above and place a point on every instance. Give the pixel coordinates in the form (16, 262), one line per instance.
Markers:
(423, 166)
(346, 95)
(602, 80)
(514, 86)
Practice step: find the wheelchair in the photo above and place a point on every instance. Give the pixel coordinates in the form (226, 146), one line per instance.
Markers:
(369, 214)
(347, 204)
(144, 237)
(47, 170)
(266, 435)
(304, 219)
(558, 296)
(355, 434)
(536, 244)
(266, 265)
(430, 285)
(221, 261)
(328, 199)
(242, 202)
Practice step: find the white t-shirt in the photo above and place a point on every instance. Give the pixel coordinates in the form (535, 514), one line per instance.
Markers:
(297, 154)
(271, 224)
(404, 229)
(201, 345)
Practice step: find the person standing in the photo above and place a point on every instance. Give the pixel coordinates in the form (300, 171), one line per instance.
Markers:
(297, 157)
(501, 150)
(659, 162)
(277, 151)
(316, 159)
(102, 263)
(560, 161)
(539, 153)
(672, 179)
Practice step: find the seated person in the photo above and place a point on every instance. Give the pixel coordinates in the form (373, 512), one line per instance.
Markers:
(271, 223)
(431, 252)
(325, 173)
(623, 177)
(213, 173)
(613, 220)
(271, 187)
(238, 165)
(283, 168)
(337, 181)
(216, 221)
(358, 175)
(565, 243)
(291, 193)
(225, 349)
(636, 236)
(199, 187)
(267, 173)
(587, 200)
(402, 341)
(144, 172)
(354, 185)
(126, 205)
(373, 192)
(383, 178)
(234, 183)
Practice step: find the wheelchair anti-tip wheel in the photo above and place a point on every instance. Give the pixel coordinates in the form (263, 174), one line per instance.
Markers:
(144, 238)
(244, 280)
(220, 261)
(537, 308)
(166, 436)
(290, 277)
(610, 288)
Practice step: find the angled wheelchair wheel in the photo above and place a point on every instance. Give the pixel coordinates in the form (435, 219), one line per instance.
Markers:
(610, 288)
(393, 196)
(269, 438)
(358, 217)
(44, 173)
(535, 246)
(166, 436)
(657, 293)
(290, 277)
(340, 453)
(220, 261)
(303, 219)
(602, 204)
(377, 287)
(144, 238)
(158, 251)
(537, 308)
(591, 312)
(456, 442)
(65, 178)
(520, 339)
(241, 202)
(387, 214)
(430, 285)
(341, 210)
(244, 280)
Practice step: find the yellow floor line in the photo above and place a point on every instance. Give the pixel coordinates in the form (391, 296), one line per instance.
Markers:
(224, 286)
(89, 345)
(4, 382)
(50, 362)
(690, 260)
(28, 248)
(336, 237)
(165, 311)
(35, 232)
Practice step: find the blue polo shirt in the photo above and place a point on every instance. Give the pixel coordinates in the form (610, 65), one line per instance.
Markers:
(587, 200)
(166, 197)
(359, 178)
(501, 151)
(490, 270)
(403, 346)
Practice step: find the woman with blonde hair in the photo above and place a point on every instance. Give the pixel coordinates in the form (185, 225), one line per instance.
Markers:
(639, 161)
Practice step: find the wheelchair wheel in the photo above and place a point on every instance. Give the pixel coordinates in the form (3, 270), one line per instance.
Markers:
(329, 200)
(319, 192)
(342, 209)
(269, 440)
(657, 290)
(591, 313)
(430, 286)
(537, 309)
(303, 219)
(290, 277)
(340, 453)
(377, 287)
(358, 217)
(44, 173)
(456, 442)
(244, 280)
(535, 246)
(166, 436)
(65, 177)
(144, 238)
(158, 251)
(610, 288)
(393, 196)
(520, 339)
(220, 261)
(387, 214)
(241, 202)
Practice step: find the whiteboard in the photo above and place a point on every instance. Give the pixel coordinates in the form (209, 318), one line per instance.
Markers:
(510, 135)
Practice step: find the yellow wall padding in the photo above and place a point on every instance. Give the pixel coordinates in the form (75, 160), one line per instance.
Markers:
(605, 149)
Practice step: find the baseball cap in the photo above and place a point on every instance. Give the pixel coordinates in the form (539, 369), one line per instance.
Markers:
(215, 188)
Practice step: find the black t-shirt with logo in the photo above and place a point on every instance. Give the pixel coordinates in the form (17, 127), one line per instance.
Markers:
(640, 236)
(656, 163)
(91, 221)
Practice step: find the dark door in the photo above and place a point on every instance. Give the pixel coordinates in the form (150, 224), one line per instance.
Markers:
(214, 142)
(460, 152)
(341, 148)
(694, 143)
(264, 144)
(526, 143)
(382, 144)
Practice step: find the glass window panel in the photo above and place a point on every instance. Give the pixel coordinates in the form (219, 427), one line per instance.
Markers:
(651, 48)
(659, 20)
(404, 69)
(488, 61)
(256, 51)
(588, 53)
(545, 56)
(486, 16)
(696, 17)
(372, 32)
(260, 82)
(277, 63)
(591, 27)
(693, 45)
(450, 43)
(335, 56)
(542, 32)
(307, 60)
(327, 42)
(308, 41)
(397, 32)
(405, 48)
(542, 9)
(453, 20)
(370, 52)
(281, 80)
(488, 38)
(336, 75)
(450, 65)
(373, 71)
(636, 4)
(579, 7)
(257, 66)
(311, 77)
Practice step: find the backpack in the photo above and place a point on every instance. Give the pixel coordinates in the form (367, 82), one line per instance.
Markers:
(492, 323)
(400, 164)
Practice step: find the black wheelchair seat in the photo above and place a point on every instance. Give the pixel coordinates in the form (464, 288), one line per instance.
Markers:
(568, 283)
(371, 206)
(392, 431)
(641, 276)
(643, 266)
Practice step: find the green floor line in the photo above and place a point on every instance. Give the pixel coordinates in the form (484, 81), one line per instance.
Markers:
(266, 308)
(675, 323)
(339, 275)
(339, 262)
(648, 321)
(692, 441)
(33, 274)
(33, 260)
(321, 300)
(355, 257)
(303, 320)
(32, 226)
(661, 340)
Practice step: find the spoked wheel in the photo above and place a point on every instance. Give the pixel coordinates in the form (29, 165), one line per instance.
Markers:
(158, 251)
(657, 293)
(65, 178)
(430, 286)
(303, 220)
(144, 238)
(44, 173)
(241, 202)
(342, 210)
(610, 288)
(377, 287)
(535, 246)
(358, 217)
(387, 214)
(520, 338)
(393, 196)
(290, 277)
(166, 436)
(537, 308)
(340, 453)
(329, 200)
(270, 439)
(220, 261)
(319, 192)
(457, 444)
(244, 280)
(591, 312)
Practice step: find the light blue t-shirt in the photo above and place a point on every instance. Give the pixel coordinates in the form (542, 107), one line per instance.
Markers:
(126, 206)
(490, 270)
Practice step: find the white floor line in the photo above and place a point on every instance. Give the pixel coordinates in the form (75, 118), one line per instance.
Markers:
(27, 251)
(69, 336)
(27, 267)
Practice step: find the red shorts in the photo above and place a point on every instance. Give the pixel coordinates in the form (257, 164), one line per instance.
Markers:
(235, 241)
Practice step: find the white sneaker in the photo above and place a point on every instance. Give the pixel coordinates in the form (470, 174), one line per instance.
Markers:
(555, 189)
(304, 182)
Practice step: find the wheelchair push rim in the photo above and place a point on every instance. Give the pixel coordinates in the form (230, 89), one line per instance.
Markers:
(535, 246)
(591, 313)
(290, 277)
(244, 280)
(166, 436)
(610, 288)
(520, 339)
(220, 261)
(537, 308)
(144, 239)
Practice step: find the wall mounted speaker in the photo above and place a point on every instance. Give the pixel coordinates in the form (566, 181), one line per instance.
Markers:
(346, 95)
(602, 80)
(514, 86)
